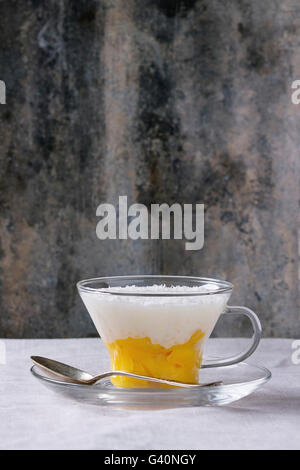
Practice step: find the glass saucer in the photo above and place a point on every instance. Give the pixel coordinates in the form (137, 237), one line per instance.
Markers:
(238, 381)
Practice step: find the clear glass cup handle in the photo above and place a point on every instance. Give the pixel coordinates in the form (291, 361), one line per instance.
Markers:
(255, 339)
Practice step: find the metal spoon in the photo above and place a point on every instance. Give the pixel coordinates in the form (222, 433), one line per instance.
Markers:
(60, 371)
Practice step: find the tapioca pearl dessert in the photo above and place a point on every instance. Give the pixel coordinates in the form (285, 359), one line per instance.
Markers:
(156, 336)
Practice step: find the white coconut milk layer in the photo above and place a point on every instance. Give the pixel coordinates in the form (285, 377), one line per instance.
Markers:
(166, 320)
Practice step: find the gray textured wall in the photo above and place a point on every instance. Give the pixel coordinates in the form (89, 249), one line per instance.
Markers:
(163, 101)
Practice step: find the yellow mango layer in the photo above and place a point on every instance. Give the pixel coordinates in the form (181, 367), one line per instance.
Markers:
(180, 362)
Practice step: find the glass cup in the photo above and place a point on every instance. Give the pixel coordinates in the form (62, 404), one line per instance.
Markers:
(158, 325)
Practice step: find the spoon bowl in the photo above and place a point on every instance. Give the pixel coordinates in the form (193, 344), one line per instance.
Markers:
(66, 373)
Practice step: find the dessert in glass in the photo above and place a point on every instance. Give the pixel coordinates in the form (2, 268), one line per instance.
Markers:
(158, 326)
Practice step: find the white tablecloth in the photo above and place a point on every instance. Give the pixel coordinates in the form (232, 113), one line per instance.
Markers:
(33, 417)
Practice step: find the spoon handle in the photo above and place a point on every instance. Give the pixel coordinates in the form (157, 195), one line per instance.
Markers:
(150, 379)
